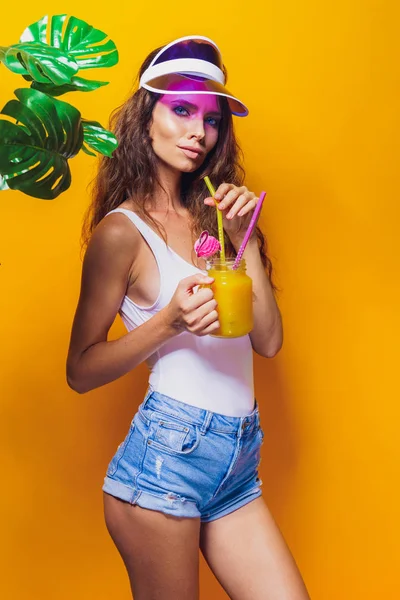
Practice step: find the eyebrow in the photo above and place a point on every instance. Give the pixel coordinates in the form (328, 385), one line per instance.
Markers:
(194, 106)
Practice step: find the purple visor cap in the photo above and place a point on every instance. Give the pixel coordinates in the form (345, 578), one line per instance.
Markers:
(192, 58)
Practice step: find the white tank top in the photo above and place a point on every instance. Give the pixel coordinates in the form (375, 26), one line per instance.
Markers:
(211, 373)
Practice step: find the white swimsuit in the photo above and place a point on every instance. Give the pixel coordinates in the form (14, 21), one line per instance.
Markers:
(211, 373)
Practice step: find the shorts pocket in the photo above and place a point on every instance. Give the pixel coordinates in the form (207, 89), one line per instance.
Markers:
(174, 437)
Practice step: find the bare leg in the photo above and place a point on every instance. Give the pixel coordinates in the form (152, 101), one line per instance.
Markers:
(249, 557)
(160, 552)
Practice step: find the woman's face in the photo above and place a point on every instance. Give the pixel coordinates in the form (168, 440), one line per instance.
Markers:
(185, 127)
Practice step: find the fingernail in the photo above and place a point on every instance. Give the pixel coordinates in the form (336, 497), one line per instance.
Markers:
(217, 196)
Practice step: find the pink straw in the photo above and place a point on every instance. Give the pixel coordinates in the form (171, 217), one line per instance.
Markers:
(249, 230)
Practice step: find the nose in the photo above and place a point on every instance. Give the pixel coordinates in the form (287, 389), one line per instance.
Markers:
(196, 129)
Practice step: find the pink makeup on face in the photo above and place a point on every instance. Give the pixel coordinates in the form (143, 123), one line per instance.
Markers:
(195, 108)
(205, 105)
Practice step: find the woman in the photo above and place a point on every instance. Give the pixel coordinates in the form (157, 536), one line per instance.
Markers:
(186, 474)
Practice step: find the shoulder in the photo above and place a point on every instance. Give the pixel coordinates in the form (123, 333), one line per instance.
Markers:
(115, 239)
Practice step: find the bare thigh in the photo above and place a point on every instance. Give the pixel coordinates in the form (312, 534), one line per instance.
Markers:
(160, 552)
(249, 557)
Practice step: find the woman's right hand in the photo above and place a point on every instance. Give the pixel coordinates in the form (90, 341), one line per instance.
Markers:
(190, 311)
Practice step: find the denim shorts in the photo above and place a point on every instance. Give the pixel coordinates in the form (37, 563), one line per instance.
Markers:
(187, 461)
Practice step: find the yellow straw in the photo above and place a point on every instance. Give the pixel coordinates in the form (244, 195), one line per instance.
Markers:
(219, 218)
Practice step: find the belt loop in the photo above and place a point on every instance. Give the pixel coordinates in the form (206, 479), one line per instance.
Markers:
(206, 422)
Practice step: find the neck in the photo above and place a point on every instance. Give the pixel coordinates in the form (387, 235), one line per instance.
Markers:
(167, 196)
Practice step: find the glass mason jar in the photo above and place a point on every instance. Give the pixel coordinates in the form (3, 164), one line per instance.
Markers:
(233, 291)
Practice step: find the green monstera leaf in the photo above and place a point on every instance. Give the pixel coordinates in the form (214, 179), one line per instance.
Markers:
(97, 138)
(80, 40)
(34, 153)
(52, 67)
(78, 84)
(34, 156)
(3, 184)
(35, 149)
(43, 63)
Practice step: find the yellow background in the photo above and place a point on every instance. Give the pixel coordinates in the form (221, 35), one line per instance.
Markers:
(322, 84)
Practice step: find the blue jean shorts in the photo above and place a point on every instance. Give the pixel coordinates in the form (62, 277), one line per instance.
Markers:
(186, 461)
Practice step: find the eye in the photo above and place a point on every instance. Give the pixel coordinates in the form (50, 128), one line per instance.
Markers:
(213, 122)
(178, 110)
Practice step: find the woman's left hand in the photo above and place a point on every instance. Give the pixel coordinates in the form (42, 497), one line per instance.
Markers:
(237, 205)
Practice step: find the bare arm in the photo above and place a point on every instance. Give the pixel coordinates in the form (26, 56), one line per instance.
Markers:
(92, 360)
(267, 334)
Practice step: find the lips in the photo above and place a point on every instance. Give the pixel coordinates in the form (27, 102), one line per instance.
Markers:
(191, 152)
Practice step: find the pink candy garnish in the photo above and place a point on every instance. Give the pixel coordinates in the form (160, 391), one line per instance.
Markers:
(206, 245)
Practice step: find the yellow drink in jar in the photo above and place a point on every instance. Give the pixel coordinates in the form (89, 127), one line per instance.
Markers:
(233, 292)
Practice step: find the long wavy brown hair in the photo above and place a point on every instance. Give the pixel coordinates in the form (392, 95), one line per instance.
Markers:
(131, 173)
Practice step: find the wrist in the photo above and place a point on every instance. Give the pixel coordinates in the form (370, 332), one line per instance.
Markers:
(251, 243)
(236, 243)
(169, 325)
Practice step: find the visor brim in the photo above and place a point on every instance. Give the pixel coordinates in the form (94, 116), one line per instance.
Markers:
(162, 85)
